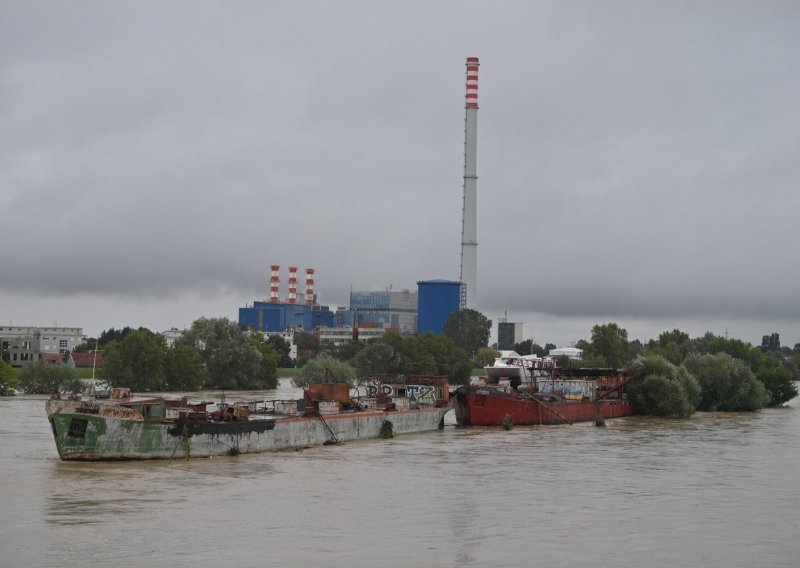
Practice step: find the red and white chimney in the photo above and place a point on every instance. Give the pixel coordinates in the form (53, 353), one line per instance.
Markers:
(292, 284)
(274, 283)
(469, 223)
(472, 82)
(310, 286)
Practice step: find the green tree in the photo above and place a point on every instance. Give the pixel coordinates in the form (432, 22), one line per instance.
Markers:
(307, 341)
(736, 348)
(347, 350)
(726, 383)
(7, 381)
(670, 351)
(268, 375)
(324, 369)
(675, 336)
(486, 356)
(525, 347)
(771, 342)
(231, 360)
(283, 348)
(435, 355)
(136, 362)
(377, 359)
(183, 369)
(610, 342)
(779, 382)
(469, 329)
(46, 378)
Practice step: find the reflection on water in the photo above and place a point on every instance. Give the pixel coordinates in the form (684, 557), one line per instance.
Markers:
(714, 490)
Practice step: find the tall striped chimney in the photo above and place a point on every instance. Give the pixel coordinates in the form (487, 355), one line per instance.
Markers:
(310, 286)
(469, 224)
(274, 283)
(292, 284)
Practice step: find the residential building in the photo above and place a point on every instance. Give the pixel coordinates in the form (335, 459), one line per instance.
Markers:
(23, 345)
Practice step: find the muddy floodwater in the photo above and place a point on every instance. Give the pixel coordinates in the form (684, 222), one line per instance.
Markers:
(717, 490)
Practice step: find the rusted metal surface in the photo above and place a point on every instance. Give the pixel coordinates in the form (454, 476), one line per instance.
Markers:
(339, 392)
(122, 413)
(118, 393)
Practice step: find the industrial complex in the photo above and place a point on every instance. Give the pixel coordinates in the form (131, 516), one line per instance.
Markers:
(370, 313)
(291, 305)
(373, 313)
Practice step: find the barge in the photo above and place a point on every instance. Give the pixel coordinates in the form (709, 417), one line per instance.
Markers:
(126, 427)
(537, 392)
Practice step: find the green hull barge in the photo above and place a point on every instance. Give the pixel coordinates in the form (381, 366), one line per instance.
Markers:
(126, 427)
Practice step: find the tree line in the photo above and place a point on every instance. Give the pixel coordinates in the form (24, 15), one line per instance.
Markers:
(213, 353)
(678, 374)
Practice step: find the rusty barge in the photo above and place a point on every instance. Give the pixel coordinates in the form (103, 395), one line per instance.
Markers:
(126, 427)
(539, 393)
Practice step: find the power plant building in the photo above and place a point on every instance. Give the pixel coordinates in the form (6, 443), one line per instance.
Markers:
(275, 317)
(384, 309)
(297, 311)
(437, 300)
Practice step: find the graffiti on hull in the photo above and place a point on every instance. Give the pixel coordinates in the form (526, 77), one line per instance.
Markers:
(420, 394)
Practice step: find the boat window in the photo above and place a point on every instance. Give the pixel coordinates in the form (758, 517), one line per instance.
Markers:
(77, 427)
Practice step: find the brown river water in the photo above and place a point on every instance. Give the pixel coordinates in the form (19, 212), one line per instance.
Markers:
(714, 490)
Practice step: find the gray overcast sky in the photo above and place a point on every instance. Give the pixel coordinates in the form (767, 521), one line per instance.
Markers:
(638, 162)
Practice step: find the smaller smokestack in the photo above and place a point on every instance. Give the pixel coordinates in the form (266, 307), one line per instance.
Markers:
(274, 283)
(472, 82)
(292, 284)
(310, 286)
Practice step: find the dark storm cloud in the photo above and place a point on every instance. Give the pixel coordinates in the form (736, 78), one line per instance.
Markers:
(635, 160)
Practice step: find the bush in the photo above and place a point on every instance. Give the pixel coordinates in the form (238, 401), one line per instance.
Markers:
(7, 381)
(46, 378)
(726, 383)
(664, 389)
(643, 367)
(658, 395)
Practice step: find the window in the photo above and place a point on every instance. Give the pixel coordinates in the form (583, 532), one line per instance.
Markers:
(77, 427)
(62, 344)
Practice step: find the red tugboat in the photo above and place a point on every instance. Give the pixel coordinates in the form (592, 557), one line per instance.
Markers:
(545, 394)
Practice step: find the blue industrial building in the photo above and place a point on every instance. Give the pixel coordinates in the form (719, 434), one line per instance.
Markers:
(279, 316)
(437, 300)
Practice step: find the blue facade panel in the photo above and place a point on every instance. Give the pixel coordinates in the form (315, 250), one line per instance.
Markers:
(276, 317)
(437, 300)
